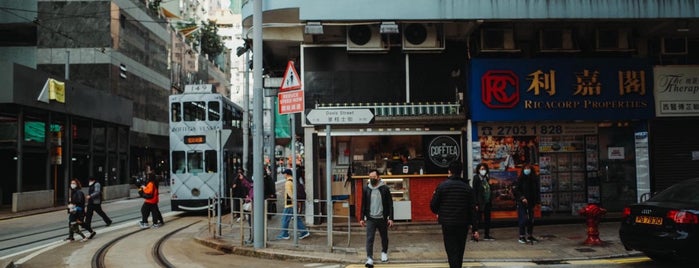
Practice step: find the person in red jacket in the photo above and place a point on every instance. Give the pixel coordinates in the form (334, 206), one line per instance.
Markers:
(150, 204)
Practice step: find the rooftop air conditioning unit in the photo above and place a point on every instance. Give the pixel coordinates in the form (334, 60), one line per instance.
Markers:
(673, 46)
(366, 38)
(557, 40)
(498, 40)
(612, 40)
(423, 37)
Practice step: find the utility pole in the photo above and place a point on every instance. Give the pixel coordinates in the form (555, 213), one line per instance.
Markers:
(257, 126)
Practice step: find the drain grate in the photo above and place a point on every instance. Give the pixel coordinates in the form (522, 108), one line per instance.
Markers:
(585, 250)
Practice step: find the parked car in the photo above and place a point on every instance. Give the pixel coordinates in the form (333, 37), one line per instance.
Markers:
(666, 226)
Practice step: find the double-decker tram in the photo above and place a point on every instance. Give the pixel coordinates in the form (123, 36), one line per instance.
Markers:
(205, 146)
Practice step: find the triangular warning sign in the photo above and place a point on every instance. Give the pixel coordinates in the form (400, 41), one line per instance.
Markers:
(291, 80)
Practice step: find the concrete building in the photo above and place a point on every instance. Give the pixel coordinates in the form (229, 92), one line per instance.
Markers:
(118, 64)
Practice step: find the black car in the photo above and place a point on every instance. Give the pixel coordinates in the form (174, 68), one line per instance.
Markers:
(666, 226)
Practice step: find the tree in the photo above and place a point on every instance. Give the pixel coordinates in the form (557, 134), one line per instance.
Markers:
(211, 44)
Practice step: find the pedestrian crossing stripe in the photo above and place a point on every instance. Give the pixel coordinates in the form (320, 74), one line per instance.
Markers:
(291, 80)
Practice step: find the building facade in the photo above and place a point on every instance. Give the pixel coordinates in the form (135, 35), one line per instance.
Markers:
(413, 63)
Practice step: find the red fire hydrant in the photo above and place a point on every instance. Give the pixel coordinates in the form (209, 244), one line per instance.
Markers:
(594, 214)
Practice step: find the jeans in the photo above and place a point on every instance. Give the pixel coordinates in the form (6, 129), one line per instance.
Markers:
(286, 218)
(371, 226)
(525, 220)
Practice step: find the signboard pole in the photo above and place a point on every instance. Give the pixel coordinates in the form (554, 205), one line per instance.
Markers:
(328, 183)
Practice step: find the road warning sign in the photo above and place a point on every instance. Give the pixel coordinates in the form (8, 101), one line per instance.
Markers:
(291, 80)
(291, 102)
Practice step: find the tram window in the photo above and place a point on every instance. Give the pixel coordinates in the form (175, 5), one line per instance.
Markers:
(211, 161)
(227, 115)
(175, 108)
(178, 162)
(214, 111)
(194, 163)
(194, 111)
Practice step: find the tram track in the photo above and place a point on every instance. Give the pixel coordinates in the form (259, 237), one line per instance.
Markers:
(99, 258)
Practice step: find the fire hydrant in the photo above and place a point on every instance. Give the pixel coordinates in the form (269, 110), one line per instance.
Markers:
(594, 214)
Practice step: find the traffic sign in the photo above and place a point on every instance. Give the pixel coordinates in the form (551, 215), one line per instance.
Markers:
(339, 116)
(291, 80)
(291, 102)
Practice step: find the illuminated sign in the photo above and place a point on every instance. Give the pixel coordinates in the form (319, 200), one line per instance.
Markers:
(194, 139)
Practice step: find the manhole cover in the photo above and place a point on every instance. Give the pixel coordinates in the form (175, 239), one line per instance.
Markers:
(585, 250)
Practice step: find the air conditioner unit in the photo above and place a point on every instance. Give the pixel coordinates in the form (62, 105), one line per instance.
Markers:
(673, 46)
(423, 37)
(366, 38)
(498, 40)
(557, 40)
(612, 40)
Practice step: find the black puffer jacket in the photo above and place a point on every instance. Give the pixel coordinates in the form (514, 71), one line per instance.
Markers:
(453, 202)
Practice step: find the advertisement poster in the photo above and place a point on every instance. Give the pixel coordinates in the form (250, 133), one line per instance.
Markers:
(501, 186)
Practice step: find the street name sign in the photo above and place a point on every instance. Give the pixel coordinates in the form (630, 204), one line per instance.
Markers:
(339, 116)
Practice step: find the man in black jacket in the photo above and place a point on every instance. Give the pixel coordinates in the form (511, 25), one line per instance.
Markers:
(377, 213)
(453, 203)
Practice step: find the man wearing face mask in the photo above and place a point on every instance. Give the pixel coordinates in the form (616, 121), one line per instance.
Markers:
(94, 203)
(484, 200)
(526, 192)
(376, 213)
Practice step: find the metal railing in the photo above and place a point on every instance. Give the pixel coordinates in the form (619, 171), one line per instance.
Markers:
(400, 109)
(239, 230)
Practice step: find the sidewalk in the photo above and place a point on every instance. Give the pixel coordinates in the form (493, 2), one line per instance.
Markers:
(422, 243)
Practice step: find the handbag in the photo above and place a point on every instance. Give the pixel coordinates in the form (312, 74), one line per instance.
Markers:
(247, 206)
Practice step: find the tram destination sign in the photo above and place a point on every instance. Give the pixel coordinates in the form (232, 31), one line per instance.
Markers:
(339, 116)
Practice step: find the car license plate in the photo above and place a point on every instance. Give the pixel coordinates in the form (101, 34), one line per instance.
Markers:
(649, 220)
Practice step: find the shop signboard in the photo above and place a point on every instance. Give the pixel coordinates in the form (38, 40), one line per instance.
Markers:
(676, 90)
(561, 89)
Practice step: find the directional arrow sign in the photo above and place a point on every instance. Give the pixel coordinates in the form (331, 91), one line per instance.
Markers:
(339, 116)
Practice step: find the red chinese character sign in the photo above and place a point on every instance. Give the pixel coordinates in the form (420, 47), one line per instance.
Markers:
(291, 102)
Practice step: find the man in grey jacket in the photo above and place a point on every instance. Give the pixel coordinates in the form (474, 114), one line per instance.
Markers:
(377, 213)
(94, 203)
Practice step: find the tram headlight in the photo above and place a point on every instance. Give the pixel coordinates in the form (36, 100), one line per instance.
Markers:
(195, 192)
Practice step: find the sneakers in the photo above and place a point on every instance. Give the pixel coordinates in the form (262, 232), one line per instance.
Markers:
(284, 237)
(384, 257)
(369, 262)
(84, 239)
(522, 240)
(108, 223)
(307, 234)
(532, 239)
(157, 225)
(488, 238)
(143, 225)
(92, 235)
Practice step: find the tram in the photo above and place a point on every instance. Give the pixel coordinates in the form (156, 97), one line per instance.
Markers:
(206, 146)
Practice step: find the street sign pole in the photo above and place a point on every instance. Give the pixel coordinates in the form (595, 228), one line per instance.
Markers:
(328, 183)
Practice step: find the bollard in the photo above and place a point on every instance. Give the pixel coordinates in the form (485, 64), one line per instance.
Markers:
(594, 214)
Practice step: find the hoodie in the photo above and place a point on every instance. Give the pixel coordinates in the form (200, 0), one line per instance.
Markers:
(377, 202)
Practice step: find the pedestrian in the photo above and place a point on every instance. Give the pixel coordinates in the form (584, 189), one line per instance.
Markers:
(526, 192)
(288, 212)
(94, 203)
(247, 206)
(270, 193)
(453, 203)
(76, 210)
(150, 203)
(484, 200)
(376, 214)
(239, 192)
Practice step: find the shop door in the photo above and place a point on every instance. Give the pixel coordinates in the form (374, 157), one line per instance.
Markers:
(617, 167)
